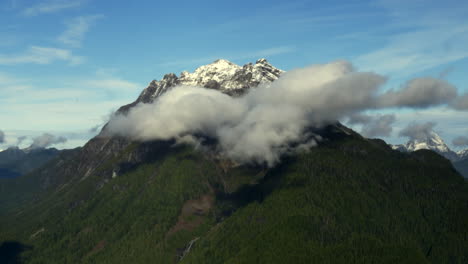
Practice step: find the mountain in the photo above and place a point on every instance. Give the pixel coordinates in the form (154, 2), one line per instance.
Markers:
(349, 199)
(221, 75)
(462, 163)
(436, 143)
(462, 166)
(432, 142)
(15, 161)
(462, 154)
(11, 154)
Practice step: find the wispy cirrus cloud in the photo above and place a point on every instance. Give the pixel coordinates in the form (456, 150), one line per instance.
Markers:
(76, 29)
(52, 6)
(416, 51)
(41, 55)
(12, 90)
(420, 38)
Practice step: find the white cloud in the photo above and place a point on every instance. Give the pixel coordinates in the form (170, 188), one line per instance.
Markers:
(260, 126)
(52, 6)
(76, 30)
(41, 55)
(46, 140)
(273, 119)
(420, 93)
(418, 131)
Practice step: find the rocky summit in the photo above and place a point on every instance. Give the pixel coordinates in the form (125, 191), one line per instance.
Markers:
(221, 75)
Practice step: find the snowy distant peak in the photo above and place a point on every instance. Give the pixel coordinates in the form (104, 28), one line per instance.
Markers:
(463, 154)
(432, 141)
(222, 75)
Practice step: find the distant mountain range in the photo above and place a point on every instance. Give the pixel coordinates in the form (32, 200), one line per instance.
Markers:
(435, 143)
(15, 161)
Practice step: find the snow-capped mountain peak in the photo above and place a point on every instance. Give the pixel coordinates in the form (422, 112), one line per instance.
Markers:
(431, 141)
(221, 74)
(218, 71)
(463, 154)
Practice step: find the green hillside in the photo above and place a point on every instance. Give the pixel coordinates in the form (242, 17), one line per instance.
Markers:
(350, 200)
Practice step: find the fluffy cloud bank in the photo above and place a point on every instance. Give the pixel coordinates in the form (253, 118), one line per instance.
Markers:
(420, 93)
(265, 123)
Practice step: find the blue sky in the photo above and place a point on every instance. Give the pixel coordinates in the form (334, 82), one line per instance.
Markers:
(65, 65)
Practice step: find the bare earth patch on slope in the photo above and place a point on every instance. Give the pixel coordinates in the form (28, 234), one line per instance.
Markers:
(193, 214)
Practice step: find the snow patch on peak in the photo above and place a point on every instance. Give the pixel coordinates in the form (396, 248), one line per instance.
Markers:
(211, 75)
(227, 76)
(433, 142)
(223, 62)
(463, 154)
(262, 61)
(221, 75)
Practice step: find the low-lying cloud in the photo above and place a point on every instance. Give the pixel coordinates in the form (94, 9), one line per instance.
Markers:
(45, 140)
(420, 93)
(418, 131)
(20, 140)
(265, 123)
